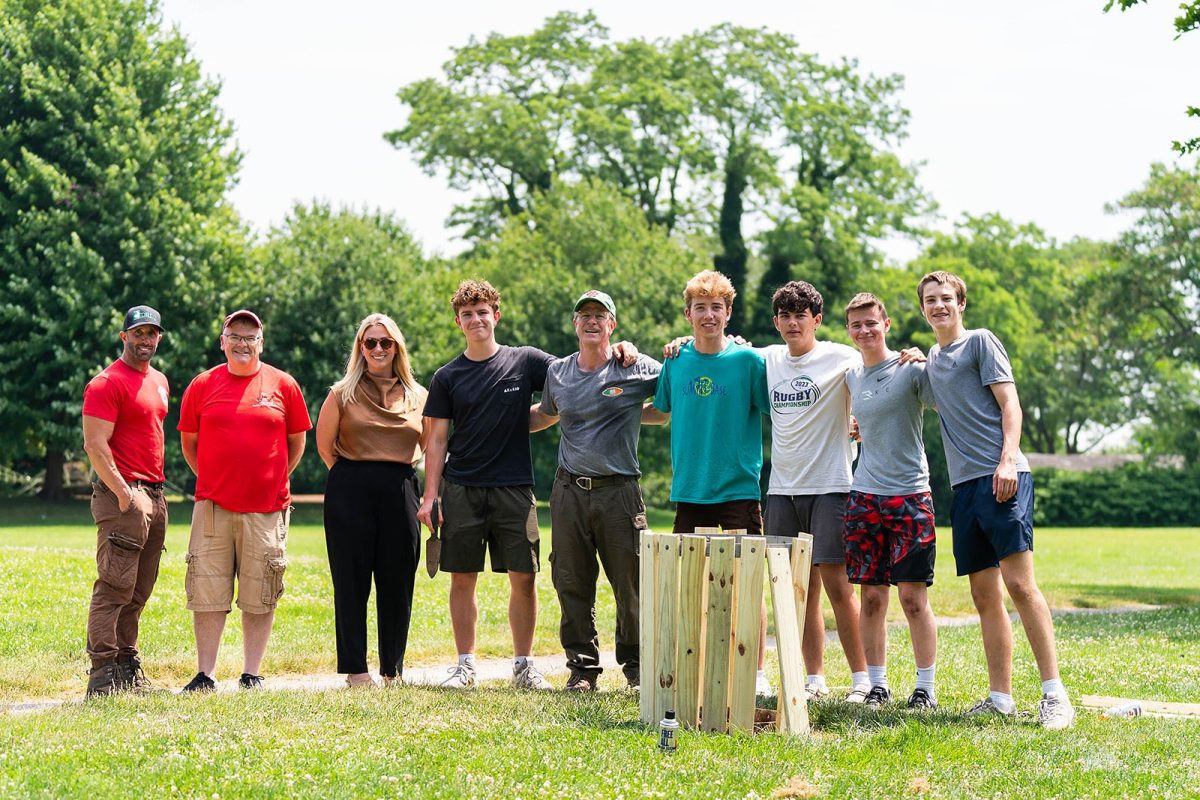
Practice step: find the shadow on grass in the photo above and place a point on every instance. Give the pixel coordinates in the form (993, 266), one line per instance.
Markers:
(1128, 594)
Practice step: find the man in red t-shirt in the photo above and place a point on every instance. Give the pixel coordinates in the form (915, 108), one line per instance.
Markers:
(242, 427)
(123, 411)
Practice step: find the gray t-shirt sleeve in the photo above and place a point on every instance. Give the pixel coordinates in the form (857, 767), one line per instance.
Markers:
(994, 366)
(549, 402)
(922, 388)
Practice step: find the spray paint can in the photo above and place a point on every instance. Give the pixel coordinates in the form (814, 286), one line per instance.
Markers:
(668, 729)
(1133, 709)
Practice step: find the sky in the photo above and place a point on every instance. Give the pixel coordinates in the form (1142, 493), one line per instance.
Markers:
(1041, 110)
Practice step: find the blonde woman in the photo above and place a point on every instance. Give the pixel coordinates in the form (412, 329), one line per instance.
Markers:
(369, 434)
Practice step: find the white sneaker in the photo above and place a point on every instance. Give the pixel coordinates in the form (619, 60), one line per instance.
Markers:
(528, 677)
(762, 687)
(462, 676)
(816, 691)
(858, 694)
(986, 708)
(1055, 712)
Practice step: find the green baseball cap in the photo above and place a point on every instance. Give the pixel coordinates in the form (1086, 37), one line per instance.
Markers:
(593, 296)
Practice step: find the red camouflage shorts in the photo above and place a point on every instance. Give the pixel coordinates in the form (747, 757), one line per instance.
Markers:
(890, 539)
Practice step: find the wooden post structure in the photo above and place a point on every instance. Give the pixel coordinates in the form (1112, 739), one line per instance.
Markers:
(646, 623)
(792, 713)
(666, 577)
(701, 597)
(691, 629)
(719, 628)
(747, 616)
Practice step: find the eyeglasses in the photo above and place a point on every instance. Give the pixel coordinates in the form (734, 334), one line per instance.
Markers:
(588, 316)
(385, 343)
(235, 339)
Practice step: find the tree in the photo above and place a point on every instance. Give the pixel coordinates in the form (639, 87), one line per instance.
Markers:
(1188, 20)
(500, 120)
(318, 274)
(1153, 292)
(847, 190)
(114, 161)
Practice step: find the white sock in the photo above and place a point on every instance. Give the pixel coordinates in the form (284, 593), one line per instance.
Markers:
(877, 676)
(1003, 702)
(925, 678)
(818, 680)
(858, 679)
(520, 661)
(1054, 686)
(466, 658)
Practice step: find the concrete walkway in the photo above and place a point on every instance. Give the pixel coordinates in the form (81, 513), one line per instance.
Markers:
(500, 669)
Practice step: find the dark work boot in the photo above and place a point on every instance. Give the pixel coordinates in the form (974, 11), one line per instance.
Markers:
(104, 679)
(134, 678)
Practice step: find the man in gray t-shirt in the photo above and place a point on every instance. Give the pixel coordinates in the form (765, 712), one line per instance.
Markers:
(889, 530)
(992, 517)
(596, 506)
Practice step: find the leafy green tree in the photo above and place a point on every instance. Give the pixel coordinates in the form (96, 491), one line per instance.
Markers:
(574, 238)
(1188, 20)
(500, 119)
(847, 189)
(1153, 292)
(317, 275)
(114, 165)
(737, 76)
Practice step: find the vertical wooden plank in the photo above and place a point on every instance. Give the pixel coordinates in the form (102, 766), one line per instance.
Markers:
(718, 629)
(747, 608)
(646, 625)
(793, 702)
(691, 616)
(801, 563)
(666, 623)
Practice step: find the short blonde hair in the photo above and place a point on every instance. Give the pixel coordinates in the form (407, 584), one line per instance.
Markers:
(865, 300)
(709, 283)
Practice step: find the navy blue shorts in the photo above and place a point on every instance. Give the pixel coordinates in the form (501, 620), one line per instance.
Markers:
(986, 532)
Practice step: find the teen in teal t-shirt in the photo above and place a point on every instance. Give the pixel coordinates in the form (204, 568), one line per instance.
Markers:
(715, 402)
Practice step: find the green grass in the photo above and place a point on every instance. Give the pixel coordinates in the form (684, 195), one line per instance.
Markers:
(496, 743)
(47, 565)
(418, 742)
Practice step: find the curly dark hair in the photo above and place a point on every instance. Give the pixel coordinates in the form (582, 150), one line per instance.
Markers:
(796, 296)
(471, 292)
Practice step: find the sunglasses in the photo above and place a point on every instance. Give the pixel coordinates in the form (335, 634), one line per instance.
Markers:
(385, 343)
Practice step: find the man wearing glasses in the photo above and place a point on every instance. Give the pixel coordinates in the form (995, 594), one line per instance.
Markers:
(123, 411)
(242, 427)
(596, 506)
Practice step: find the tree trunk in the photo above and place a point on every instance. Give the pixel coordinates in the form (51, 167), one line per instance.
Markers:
(732, 259)
(52, 484)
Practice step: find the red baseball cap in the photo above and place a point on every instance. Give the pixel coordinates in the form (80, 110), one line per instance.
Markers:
(245, 314)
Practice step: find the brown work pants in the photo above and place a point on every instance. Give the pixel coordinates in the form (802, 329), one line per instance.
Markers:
(605, 522)
(129, 546)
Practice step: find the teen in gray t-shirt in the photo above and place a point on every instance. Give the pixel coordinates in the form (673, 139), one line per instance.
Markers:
(960, 374)
(887, 400)
(600, 413)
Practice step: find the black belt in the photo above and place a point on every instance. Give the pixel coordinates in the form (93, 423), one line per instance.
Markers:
(146, 485)
(588, 483)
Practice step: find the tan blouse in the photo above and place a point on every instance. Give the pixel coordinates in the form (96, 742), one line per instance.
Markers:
(383, 424)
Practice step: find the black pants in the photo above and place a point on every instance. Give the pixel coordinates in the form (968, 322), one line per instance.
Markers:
(371, 529)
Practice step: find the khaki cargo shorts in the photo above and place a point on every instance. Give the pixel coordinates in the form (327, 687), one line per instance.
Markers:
(227, 543)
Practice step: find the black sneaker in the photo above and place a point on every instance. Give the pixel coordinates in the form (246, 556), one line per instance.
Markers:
(104, 679)
(201, 683)
(878, 696)
(581, 681)
(248, 681)
(920, 700)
